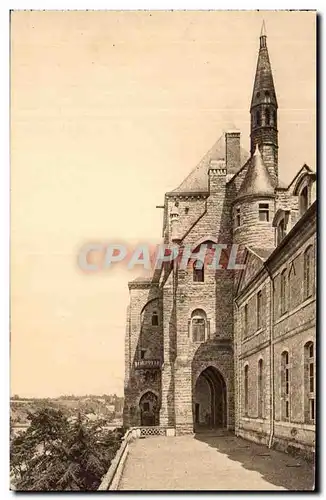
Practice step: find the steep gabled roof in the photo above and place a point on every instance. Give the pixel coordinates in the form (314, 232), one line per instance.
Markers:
(197, 180)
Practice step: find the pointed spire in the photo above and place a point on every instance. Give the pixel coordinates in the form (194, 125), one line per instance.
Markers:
(257, 181)
(264, 85)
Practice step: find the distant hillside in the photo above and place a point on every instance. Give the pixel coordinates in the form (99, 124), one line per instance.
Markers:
(108, 407)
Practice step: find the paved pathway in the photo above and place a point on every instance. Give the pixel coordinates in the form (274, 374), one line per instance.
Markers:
(211, 463)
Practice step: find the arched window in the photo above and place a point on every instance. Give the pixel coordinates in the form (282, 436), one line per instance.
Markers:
(283, 292)
(280, 231)
(285, 385)
(267, 116)
(198, 271)
(246, 390)
(198, 325)
(258, 119)
(260, 389)
(309, 382)
(267, 94)
(303, 200)
(308, 272)
(155, 318)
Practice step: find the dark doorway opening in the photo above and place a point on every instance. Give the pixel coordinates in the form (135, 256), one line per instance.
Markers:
(149, 409)
(210, 402)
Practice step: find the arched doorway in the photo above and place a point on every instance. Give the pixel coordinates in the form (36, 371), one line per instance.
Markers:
(149, 409)
(210, 407)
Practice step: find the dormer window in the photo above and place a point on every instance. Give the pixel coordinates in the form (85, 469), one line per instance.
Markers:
(303, 200)
(264, 212)
(280, 231)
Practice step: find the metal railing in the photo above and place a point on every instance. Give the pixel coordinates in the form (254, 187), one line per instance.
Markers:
(148, 363)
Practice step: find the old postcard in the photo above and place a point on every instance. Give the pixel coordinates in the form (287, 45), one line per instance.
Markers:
(163, 250)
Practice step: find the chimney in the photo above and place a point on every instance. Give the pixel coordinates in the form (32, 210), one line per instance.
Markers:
(232, 151)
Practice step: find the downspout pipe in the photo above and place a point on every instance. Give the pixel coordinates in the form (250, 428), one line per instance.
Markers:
(271, 357)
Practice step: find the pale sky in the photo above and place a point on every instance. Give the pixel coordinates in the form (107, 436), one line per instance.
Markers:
(109, 110)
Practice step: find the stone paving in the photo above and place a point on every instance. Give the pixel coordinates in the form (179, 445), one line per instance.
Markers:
(207, 462)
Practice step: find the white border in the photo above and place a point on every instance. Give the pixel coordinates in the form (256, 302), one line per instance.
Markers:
(5, 175)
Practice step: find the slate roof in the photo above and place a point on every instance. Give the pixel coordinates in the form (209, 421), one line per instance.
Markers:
(197, 180)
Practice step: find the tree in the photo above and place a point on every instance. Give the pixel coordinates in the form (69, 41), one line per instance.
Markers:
(57, 455)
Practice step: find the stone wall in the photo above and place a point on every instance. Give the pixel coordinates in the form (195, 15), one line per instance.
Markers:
(289, 331)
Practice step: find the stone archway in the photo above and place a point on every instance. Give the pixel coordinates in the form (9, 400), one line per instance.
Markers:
(210, 400)
(149, 409)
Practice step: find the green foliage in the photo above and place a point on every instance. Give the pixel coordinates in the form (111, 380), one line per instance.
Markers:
(55, 454)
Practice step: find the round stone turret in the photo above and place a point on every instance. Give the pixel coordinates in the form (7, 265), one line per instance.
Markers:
(254, 206)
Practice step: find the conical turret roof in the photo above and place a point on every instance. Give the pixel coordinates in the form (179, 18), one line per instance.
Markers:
(257, 181)
(264, 90)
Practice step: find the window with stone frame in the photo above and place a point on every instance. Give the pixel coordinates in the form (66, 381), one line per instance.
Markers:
(284, 301)
(259, 309)
(285, 386)
(263, 211)
(246, 390)
(198, 324)
(309, 383)
(155, 318)
(260, 392)
(308, 272)
(198, 271)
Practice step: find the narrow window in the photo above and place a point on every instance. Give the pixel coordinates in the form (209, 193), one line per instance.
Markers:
(258, 119)
(245, 320)
(198, 325)
(280, 231)
(267, 117)
(142, 353)
(198, 271)
(238, 217)
(246, 392)
(308, 272)
(285, 386)
(259, 309)
(283, 292)
(309, 382)
(264, 212)
(155, 319)
(260, 389)
(275, 118)
(303, 200)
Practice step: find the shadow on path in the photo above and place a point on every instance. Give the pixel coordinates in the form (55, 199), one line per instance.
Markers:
(274, 466)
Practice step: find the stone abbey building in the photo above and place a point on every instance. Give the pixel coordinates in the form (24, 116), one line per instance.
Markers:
(225, 348)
